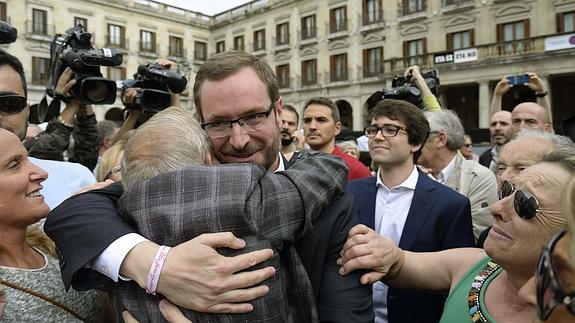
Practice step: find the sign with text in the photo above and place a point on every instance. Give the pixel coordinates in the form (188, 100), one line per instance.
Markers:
(458, 56)
(559, 42)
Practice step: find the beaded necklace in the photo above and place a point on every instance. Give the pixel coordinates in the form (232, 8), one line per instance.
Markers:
(475, 292)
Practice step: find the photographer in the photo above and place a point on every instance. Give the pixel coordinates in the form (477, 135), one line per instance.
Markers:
(76, 120)
(430, 102)
(534, 83)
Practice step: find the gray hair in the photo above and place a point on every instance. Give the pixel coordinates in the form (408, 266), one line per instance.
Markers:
(447, 121)
(558, 141)
(106, 129)
(565, 157)
(169, 140)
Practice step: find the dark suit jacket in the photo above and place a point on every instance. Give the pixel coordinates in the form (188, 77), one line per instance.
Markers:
(439, 218)
(485, 158)
(82, 232)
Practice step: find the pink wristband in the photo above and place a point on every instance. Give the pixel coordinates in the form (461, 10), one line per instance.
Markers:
(156, 269)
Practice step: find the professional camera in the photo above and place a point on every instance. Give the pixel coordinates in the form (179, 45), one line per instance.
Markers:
(74, 49)
(403, 89)
(152, 83)
(8, 34)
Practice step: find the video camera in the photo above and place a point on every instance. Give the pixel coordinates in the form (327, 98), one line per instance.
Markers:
(403, 89)
(152, 83)
(8, 34)
(74, 49)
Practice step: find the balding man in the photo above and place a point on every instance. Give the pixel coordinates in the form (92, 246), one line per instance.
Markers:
(500, 133)
(528, 148)
(530, 115)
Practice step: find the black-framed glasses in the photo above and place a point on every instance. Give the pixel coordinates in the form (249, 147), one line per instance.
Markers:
(468, 145)
(251, 122)
(524, 203)
(387, 130)
(12, 103)
(550, 292)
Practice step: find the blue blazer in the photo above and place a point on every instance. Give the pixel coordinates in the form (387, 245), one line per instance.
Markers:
(439, 218)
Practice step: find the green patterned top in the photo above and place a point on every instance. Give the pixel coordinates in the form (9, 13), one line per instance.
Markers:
(458, 307)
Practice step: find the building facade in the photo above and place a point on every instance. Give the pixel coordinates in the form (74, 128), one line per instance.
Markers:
(342, 49)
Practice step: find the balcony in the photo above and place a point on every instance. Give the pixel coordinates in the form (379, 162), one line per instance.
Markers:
(337, 29)
(177, 54)
(411, 12)
(307, 36)
(372, 21)
(39, 31)
(454, 6)
(148, 51)
(121, 46)
(340, 77)
(495, 53)
(280, 47)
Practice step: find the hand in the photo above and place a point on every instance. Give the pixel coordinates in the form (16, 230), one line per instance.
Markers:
(2, 303)
(195, 276)
(97, 186)
(502, 87)
(166, 64)
(169, 311)
(413, 72)
(298, 139)
(535, 83)
(129, 96)
(366, 249)
(65, 82)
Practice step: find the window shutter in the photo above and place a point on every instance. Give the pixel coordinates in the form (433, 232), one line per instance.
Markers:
(472, 37)
(499, 33)
(449, 41)
(560, 26)
(526, 28)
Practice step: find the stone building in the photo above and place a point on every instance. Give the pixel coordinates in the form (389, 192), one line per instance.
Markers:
(341, 49)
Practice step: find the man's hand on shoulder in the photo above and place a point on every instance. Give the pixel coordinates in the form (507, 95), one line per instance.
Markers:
(195, 276)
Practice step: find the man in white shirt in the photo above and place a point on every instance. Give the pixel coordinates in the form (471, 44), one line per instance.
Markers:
(441, 156)
(402, 203)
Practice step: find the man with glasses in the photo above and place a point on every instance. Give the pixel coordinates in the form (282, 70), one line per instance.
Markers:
(441, 156)
(238, 103)
(320, 125)
(405, 205)
(64, 178)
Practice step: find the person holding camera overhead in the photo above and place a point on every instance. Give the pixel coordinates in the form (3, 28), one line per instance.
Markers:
(526, 115)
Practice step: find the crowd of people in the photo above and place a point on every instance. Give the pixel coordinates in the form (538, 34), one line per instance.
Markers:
(232, 212)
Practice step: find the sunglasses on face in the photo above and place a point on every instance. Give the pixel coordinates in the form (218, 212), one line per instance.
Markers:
(12, 103)
(550, 292)
(525, 204)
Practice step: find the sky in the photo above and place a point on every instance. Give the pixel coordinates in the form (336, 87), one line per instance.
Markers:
(208, 7)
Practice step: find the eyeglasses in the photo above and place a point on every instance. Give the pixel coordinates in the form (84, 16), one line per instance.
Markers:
(116, 169)
(550, 292)
(387, 130)
(468, 145)
(12, 103)
(251, 122)
(525, 204)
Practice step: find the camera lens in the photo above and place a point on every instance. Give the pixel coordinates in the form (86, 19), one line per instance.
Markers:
(96, 90)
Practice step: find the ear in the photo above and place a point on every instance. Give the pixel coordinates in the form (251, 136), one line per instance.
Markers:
(337, 128)
(441, 140)
(278, 111)
(415, 148)
(547, 127)
(209, 159)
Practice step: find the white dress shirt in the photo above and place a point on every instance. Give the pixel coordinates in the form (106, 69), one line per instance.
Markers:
(109, 261)
(391, 208)
(445, 172)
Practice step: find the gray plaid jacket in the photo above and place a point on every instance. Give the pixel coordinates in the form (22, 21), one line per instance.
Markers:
(267, 210)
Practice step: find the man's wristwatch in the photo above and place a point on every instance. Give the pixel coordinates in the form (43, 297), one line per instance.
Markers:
(541, 94)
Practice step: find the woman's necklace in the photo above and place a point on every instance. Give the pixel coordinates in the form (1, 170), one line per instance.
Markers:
(475, 292)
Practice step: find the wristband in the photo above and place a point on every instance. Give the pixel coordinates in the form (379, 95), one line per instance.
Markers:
(541, 94)
(156, 269)
(64, 123)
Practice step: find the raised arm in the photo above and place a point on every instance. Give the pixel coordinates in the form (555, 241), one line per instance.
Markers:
(431, 271)
(542, 95)
(501, 88)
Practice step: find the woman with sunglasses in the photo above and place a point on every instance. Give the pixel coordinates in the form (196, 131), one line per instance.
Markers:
(484, 284)
(29, 271)
(552, 290)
